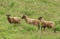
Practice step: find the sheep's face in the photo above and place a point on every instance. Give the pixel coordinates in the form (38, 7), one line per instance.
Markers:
(23, 17)
(40, 18)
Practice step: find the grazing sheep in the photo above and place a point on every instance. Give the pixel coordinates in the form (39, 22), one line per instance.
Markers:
(13, 19)
(31, 21)
(48, 24)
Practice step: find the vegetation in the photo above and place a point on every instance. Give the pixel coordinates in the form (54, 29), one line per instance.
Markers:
(49, 9)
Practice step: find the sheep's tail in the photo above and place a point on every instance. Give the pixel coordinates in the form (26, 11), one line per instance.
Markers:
(38, 25)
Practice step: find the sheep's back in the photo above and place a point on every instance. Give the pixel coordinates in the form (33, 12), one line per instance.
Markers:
(36, 22)
(15, 19)
(29, 20)
(49, 24)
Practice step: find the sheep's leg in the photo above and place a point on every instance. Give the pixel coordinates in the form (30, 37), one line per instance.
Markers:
(43, 27)
(38, 26)
(54, 30)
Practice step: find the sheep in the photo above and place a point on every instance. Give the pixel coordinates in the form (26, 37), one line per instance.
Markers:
(47, 24)
(31, 21)
(13, 19)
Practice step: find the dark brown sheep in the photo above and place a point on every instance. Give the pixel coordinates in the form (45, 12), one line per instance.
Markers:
(48, 24)
(13, 19)
(31, 21)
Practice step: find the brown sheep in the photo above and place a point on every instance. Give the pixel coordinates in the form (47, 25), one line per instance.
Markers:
(48, 24)
(31, 21)
(13, 19)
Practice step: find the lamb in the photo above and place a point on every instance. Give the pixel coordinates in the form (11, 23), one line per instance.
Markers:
(13, 19)
(31, 21)
(47, 24)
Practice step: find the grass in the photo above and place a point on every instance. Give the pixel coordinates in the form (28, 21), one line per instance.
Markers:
(49, 9)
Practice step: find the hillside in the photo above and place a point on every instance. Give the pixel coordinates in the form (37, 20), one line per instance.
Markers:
(49, 9)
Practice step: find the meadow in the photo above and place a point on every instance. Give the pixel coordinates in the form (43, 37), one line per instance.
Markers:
(49, 9)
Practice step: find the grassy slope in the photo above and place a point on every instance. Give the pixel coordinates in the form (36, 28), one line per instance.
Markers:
(49, 9)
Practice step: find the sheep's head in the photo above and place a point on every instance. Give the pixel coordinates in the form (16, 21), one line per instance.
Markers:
(24, 16)
(8, 15)
(40, 18)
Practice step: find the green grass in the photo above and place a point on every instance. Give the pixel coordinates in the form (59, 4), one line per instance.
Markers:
(49, 9)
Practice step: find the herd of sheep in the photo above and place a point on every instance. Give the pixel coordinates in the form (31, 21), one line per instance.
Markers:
(40, 20)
